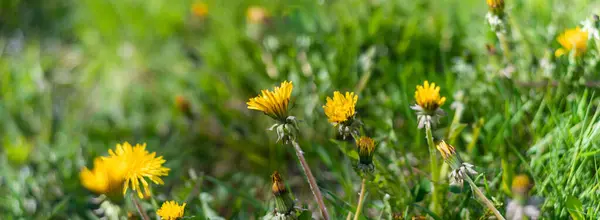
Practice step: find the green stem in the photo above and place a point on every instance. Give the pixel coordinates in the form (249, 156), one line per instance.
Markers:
(311, 180)
(435, 170)
(484, 199)
(139, 207)
(361, 199)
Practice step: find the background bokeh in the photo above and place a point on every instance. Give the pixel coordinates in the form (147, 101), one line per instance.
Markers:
(78, 77)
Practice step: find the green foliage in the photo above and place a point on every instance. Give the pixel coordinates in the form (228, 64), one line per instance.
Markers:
(78, 77)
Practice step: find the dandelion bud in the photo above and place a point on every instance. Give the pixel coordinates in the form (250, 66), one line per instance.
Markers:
(496, 6)
(283, 201)
(256, 14)
(449, 154)
(183, 105)
(397, 216)
(200, 9)
(366, 147)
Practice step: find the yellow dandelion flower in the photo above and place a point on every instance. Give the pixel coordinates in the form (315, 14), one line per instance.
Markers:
(273, 103)
(171, 210)
(428, 97)
(137, 164)
(341, 107)
(104, 178)
(200, 9)
(572, 39)
(446, 150)
(256, 14)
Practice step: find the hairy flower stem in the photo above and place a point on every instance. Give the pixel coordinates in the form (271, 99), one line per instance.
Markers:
(361, 199)
(435, 170)
(484, 199)
(505, 44)
(311, 180)
(139, 207)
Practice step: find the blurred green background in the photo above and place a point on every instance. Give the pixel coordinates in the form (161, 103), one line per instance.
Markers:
(78, 77)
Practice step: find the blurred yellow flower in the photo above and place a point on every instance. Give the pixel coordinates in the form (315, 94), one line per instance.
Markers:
(200, 9)
(572, 39)
(104, 178)
(256, 14)
(340, 108)
(137, 164)
(273, 103)
(171, 210)
(428, 97)
(521, 184)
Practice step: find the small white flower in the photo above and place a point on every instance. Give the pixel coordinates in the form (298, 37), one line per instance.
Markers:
(589, 26)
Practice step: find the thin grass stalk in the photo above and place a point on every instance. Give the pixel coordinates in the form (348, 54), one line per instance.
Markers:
(484, 199)
(435, 170)
(349, 217)
(311, 180)
(139, 207)
(361, 199)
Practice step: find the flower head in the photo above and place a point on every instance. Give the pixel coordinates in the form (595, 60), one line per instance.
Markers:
(496, 6)
(428, 97)
(105, 178)
(446, 150)
(341, 107)
(183, 105)
(428, 104)
(278, 187)
(366, 148)
(200, 9)
(256, 14)
(171, 210)
(521, 184)
(136, 164)
(273, 103)
(284, 204)
(572, 39)
(522, 204)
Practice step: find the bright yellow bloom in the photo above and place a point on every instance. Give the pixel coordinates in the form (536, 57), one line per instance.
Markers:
(340, 108)
(446, 150)
(104, 178)
(256, 14)
(200, 9)
(273, 103)
(572, 39)
(171, 210)
(428, 97)
(137, 164)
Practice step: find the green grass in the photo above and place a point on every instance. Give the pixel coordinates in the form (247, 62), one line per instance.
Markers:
(79, 77)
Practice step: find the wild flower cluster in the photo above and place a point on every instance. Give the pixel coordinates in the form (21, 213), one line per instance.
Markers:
(125, 177)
